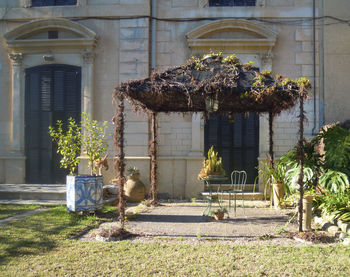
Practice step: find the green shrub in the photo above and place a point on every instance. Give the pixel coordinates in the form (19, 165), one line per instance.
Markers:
(68, 143)
(337, 149)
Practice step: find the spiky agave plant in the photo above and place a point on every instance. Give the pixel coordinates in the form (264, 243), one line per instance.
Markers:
(212, 165)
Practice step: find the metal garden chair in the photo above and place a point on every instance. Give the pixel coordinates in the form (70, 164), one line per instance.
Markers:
(238, 181)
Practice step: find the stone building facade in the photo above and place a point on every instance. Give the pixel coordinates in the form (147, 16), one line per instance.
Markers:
(111, 41)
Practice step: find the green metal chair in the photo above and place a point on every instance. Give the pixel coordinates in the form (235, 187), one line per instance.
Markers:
(238, 181)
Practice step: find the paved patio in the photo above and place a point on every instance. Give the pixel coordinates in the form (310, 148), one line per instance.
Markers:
(186, 220)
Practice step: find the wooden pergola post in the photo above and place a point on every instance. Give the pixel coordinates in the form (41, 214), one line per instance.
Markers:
(120, 163)
(271, 153)
(301, 161)
(153, 194)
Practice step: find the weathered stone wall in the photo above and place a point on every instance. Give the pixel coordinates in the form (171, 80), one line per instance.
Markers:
(122, 54)
(336, 49)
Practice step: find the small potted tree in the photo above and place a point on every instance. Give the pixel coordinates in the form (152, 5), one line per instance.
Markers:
(84, 193)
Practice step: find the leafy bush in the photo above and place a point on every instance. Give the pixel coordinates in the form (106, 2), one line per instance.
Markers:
(337, 148)
(326, 171)
(68, 143)
(292, 178)
(94, 140)
(336, 205)
(311, 169)
(91, 137)
(334, 181)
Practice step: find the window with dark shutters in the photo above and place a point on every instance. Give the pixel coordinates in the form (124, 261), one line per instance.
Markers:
(237, 142)
(53, 92)
(213, 3)
(42, 3)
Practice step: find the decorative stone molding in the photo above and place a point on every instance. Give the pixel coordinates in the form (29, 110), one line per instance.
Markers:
(244, 38)
(16, 59)
(203, 3)
(261, 3)
(23, 44)
(88, 57)
(81, 3)
(17, 41)
(16, 103)
(259, 39)
(266, 61)
(26, 3)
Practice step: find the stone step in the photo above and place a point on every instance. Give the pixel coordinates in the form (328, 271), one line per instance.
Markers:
(247, 187)
(37, 192)
(247, 195)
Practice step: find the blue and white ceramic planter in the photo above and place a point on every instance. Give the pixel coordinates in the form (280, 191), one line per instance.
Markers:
(84, 193)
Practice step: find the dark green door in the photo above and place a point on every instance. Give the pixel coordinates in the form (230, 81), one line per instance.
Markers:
(237, 142)
(52, 92)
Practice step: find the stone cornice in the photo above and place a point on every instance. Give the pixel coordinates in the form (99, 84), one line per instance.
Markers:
(27, 44)
(16, 39)
(265, 37)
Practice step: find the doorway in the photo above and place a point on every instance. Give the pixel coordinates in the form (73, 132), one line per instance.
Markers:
(52, 92)
(237, 142)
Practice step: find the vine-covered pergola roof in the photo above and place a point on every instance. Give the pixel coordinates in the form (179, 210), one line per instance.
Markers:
(209, 84)
(236, 87)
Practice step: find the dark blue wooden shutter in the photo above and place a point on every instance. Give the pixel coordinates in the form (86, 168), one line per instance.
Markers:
(237, 142)
(52, 93)
(42, 3)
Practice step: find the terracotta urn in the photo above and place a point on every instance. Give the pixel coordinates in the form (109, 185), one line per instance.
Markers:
(278, 194)
(135, 190)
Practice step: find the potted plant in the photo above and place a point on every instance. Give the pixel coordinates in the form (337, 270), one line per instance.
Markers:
(212, 167)
(274, 175)
(219, 213)
(84, 193)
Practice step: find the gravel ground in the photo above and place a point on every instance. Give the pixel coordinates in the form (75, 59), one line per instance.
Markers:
(178, 222)
(185, 220)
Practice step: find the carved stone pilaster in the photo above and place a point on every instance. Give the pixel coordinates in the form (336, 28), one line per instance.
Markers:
(88, 81)
(81, 3)
(16, 59)
(203, 3)
(260, 3)
(88, 57)
(16, 103)
(266, 61)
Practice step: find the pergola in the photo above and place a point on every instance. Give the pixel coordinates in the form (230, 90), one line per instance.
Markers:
(212, 84)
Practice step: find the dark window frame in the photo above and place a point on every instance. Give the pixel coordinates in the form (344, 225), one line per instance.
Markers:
(232, 3)
(53, 3)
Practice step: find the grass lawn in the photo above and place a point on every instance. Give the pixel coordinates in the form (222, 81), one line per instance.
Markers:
(7, 210)
(39, 246)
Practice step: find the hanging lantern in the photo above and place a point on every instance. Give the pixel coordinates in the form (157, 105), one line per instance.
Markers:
(211, 104)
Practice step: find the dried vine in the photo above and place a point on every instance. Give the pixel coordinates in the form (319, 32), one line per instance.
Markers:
(301, 162)
(271, 139)
(153, 193)
(119, 163)
(238, 87)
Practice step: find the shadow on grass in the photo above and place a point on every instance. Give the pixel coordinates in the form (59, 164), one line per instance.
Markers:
(43, 232)
(7, 211)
